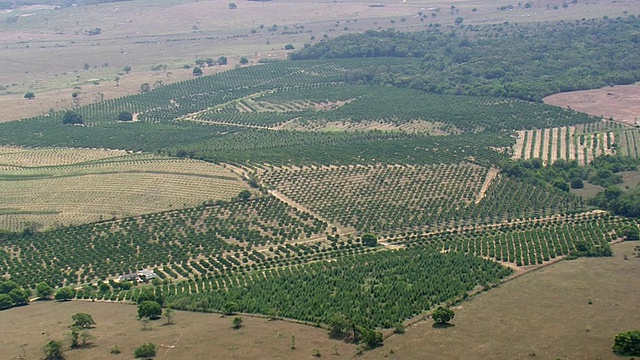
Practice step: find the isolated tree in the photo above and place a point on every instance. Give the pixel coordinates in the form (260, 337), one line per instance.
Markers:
(244, 195)
(64, 294)
(443, 315)
(229, 308)
(370, 338)
(236, 323)
(149, 309)
(289, 47)
(197, 71)
(82, 320)
(29, 95)
(244, 60)
(339, 326)
(627, 343)
(233, 6)
(44, 291)
(209, 61)
(71, 117)
(146, 351)
(169, 314)
(222, 60)
(127, 69)
(125, 116)
(145, 88)
(458, 20)
(369, 240)
(75, 337)
(53, 350)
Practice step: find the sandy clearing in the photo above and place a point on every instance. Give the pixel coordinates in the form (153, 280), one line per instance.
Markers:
(622, 103)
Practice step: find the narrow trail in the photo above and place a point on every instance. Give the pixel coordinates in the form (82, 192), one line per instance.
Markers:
(491, 175)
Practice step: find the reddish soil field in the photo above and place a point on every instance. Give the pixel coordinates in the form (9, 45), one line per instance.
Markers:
(622, 103)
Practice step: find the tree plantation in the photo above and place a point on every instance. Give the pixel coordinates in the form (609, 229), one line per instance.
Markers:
(359, 185)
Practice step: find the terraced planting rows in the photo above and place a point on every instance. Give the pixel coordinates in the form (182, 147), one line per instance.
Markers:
(87, 186)
(392, 199)
(357, 104)
(388, 286)
(628, 141)
(13, 157)
(180, 244)
(581, 143)
(257, 147)
(531, 242)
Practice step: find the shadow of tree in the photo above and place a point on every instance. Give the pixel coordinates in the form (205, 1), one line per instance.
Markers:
(442, 325)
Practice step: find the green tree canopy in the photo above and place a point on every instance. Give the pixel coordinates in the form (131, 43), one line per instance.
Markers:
(64, 294)
(627, 343)
(369, 240)
(53, 350)
(197, 71)
(29, 95)
(146, 351)
(19, 296)
(71, 117)
(237, 322)
(82, 320)
(125, 116)
(244, 195)
(44, 291)
(5, 302)
(442, 315)
(150, 309)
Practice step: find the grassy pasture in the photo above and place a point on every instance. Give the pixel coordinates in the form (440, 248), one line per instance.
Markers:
(51, 187)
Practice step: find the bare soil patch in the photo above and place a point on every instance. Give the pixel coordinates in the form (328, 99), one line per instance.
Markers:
(622, 103)
(546, 313)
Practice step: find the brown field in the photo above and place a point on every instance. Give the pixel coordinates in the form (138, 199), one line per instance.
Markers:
(622, 103)
(545, 312)
(193, 335)
(45, 50)
(49, 187)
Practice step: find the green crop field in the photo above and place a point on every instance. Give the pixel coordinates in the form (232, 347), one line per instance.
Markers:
(369, 177)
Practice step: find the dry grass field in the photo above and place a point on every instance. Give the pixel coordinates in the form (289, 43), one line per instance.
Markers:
(193, 335)
(545, 312)
(50, 187)
(46, 50)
